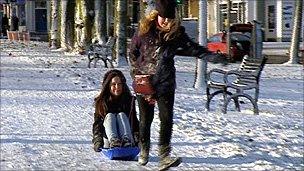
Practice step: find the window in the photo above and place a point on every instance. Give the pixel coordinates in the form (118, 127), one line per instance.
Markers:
(271, 17)
(239, 37)
(215, 39)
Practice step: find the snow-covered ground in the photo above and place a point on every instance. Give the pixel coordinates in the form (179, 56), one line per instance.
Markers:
(46, 117)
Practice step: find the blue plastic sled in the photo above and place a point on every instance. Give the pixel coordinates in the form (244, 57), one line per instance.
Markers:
(121, 153)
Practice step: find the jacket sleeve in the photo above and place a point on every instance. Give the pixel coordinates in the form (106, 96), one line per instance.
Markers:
(135, 125)
(187, 47)
(98, 129)
(134, 54)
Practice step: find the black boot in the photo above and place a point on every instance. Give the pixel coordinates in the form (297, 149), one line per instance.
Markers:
(144, 153)
(98, 143)
(97, 146)
(144, 145)
(165, 160)
(145, 121)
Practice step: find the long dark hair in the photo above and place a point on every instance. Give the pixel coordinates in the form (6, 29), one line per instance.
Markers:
(101, 101)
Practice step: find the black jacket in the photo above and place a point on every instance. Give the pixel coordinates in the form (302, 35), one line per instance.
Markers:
(151, 55)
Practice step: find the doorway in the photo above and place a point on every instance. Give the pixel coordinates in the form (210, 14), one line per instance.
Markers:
(41, 20)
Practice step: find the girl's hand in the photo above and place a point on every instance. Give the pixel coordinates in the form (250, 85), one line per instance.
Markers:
(150, 99)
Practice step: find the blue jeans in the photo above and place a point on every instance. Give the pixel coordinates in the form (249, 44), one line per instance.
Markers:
(117, 126)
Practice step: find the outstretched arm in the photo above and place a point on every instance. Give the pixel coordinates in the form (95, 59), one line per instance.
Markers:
(187, 47)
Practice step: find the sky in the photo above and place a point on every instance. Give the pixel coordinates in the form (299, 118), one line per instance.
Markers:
(47, 115)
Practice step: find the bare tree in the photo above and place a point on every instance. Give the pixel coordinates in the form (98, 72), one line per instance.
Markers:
(70, 21)
(109, 12)
(79, 26)
(100, 21)
(54, 22)
(84, 23)
(295, 41)
(121, 32)
(201, 64)
(63, 30)
(88, 16)
(142, 8)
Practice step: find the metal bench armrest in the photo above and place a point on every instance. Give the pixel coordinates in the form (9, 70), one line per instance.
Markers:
(215, 71)
(239, 74)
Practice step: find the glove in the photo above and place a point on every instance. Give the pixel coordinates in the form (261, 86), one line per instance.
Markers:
(150, 99)
(201, 56)
(206, 54)
(98, 146)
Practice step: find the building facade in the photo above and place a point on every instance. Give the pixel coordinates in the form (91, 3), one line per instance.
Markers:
(33, 15)
(276, 16)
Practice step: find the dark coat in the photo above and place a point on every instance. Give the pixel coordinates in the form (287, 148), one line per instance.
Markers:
(15, 23)
(4, 21)
(149, 54)
(5, 25)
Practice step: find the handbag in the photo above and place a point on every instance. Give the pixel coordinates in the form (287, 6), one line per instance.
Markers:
(142, 85)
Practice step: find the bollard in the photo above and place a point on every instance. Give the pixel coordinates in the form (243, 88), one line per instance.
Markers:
(15, 35)
(26, 37)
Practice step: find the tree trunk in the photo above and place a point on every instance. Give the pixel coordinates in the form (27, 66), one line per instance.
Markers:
(85, 29)
(109, 17)
(70, 24)
(121, 32)
(142, 9)
(79, 26)
(88, 14)
(63, 29)
(100, 21)
(296, 36)
(54, 26)
(201, 64)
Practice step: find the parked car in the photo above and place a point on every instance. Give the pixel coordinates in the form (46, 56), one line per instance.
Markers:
(240, 45)
(240, 41)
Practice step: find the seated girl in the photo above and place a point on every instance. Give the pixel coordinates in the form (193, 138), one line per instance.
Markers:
(115, 118)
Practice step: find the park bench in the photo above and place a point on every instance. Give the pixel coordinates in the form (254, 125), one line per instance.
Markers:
(233, 84)
(102, 52)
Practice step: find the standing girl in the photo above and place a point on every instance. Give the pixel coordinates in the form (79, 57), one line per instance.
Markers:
(153, 47)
